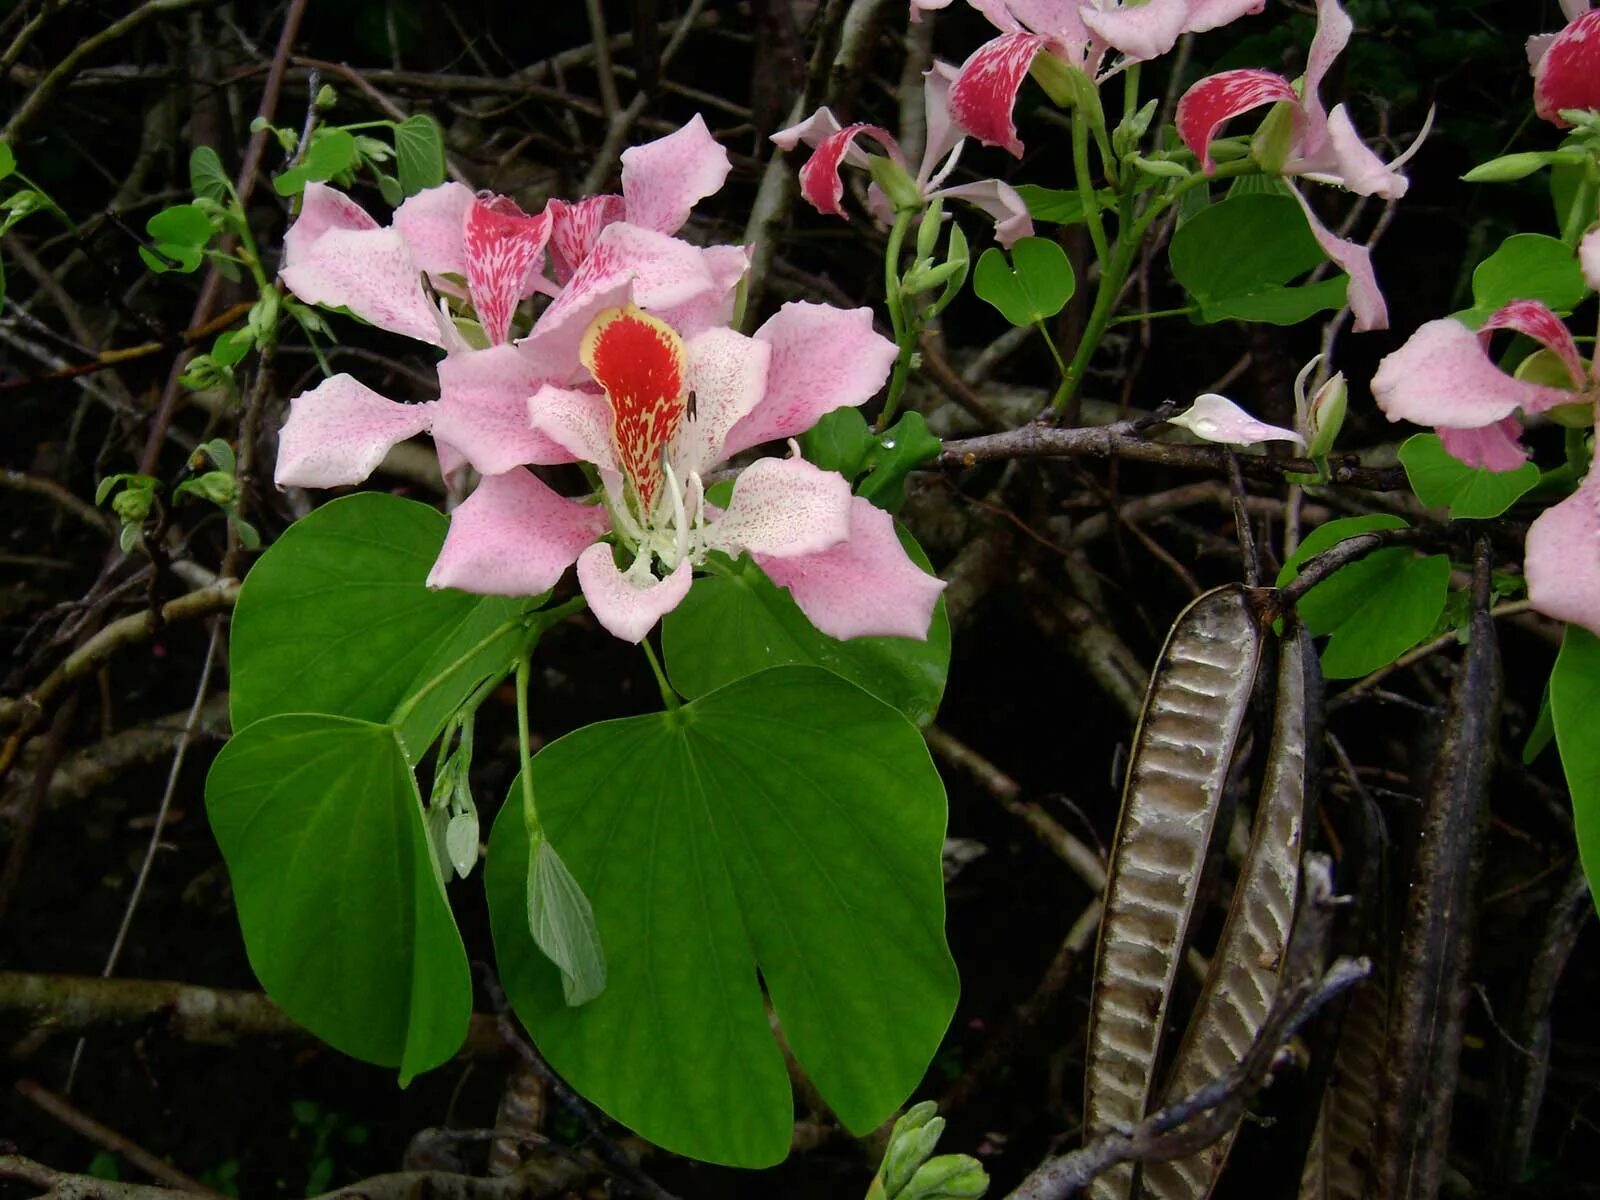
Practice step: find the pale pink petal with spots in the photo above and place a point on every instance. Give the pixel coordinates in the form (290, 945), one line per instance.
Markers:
(785, 507)
(552, 347)
(434, 224)
(985, 91)
(1141, 32)
(451, 462)
(1568, 74)
(1443, 377)
(1000, 201)
(941, 131)
(1333, 35)
(370, 272)
(1563, 558)
(505, 250)
(711, 309)
(728, 375)
(514, 537)
(1215, 418)
(483, 410)
(1531, 317)
(819, 178)
(1213, 14)
(627, 609)
(1355, 166)
(1215, 100)
(866, 586)
(578, 422)
(322, 208)
(1496, 447)
(1364, 298)
(576, 227)
(664, 179)
(339, 431)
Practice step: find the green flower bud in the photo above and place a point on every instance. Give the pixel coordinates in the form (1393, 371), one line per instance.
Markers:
(948, 1177)
(327, 97)
(219, 487)
(132, 505)
(1274, 139)
(928, 230)
(1326, 415)
(1160, 167)
(897, 184)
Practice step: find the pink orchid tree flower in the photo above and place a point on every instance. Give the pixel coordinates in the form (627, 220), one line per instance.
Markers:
(1443, 377)
(1215, 418)
(1321, 146)
(669, 411)
(834, 145)
(1566, 65)
(1077, 32)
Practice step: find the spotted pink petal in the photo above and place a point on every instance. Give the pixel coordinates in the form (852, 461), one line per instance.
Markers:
(712, 309)
(823, 358)
(339, 431)
(1364, 298)
(1354, 165)
(1563, 558)
(1568, 75)
(322, 209)
(505, 250)
(370, 272)
(784, 507)
(819, 178)
(812, 132)
(865, 586)
(1215, 418)
(1333, 35)
(575, 228)
(1589, 257)
(1215, 100)
(984, 93)
(1142, 31)
(578, 422)
(628, 609)
(1531, 317)
(664, 179)
(1444, 377)
(451, 463)
(1496, 447)
(514, 537)
(552, 347)
(1000, 201)
(434, 223)
(665, 271)
(483, 410)
(1214, 14)
(728, 376)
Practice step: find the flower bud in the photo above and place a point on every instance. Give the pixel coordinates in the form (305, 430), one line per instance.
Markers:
(901, 189)
(928, 230)
(326, 96)
(132, 505)
(1326, 415)
(948, 1177)
(1274, 140)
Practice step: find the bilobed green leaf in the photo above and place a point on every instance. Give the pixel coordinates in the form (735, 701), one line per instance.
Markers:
(561, 920)
(344, 917)
(788, 823)
(332, 152)
(1529, 266)
(418, 154)
(1057, 207)
(1236, 258)
(181, 225)
(734, 625)
(1441, 480)
(206, 176)
(1574, 699)
(335, 618)
(1035, 286)
(897, 451)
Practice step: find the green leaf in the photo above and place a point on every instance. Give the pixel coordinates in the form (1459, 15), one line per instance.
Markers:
(1441, 480)
(1035, 287)
(1529, 266)
(344, 918)
(1574, 695)
(206, 176)
(561, 921)
(788, 823)
(335, 618)
(1543, 731)
(331, 153)
(897, 451)
(1329, 534)
(389, 188)
(418, 153)
(181, 225)
(1235, 257)
(732, 626)
(1057, 207)
(8, 161)
(841, 441)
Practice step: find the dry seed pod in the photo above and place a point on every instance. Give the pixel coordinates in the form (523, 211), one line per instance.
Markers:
(1192, 714)
(1341, 1142)
(1243, 979)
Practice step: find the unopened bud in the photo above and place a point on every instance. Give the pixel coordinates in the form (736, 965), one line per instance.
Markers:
(132, 505)
(901, 189)
(1274, 140)
(219, 487)
(1326, 415)
(948, 1177)
(326, 96)
(928, 230)
(1162, 168)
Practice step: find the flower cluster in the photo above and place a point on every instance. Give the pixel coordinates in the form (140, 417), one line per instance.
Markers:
(630, 366)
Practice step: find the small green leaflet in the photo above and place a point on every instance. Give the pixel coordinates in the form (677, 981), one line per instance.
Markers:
(180, 234)
(206, 176)
(1527, 266)
(561, 921)
(1574, 700)
(1036, 286)
(1056, 207)
(332, 152)
(843, 442)
(1441, 480)
(8, 161)
(418, 154)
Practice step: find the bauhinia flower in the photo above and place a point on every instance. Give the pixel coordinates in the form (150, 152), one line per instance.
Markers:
(835, 145)
(1566, 65)
(1215, 418)
(669, 411)
(1078, 33)
(1303, 139)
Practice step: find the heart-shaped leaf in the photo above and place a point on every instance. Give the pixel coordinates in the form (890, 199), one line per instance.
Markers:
(1574, 695)
(1528, 266)
(1441, 480)
(788, 823)
(418, 154)
(1035, 286)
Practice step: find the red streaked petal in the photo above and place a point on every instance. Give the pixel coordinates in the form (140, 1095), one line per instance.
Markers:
(576, 227)
(640, 362)
(1215, 100)
(1568, 76)
(505, 249)
(819, 178)
(1543, 326)
(982, 97)
(433, 222)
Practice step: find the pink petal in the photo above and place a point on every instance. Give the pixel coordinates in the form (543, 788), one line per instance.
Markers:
(1496, 447)
(1332, 36)
(575, 228)
(812, 132)
(1217, 419)
(483, 410)
(662, 180)
(434, 222)
(1568, 75)
(1563, 558)
(339, 431)
(1365, 300)
(1537, 47)
(552, 347)
(370, 272)
(1443, 377)
(514, 537)
(1213, 14)
(578, 422)
(728, 375)
(1000, 201)
(1573, 9)
(665, 271)
(1532, 318)
(505, 250)
(941, 132)
(865, 586)
(628, 610)
(984, 93)
(1141, 32)
(1356, 166)
(1215, 100)
(823, 358)
(819, 178)
(1589, 257)
(712, 309)
(918, 7)
(323, 208)
(451, 463)
(783, 506)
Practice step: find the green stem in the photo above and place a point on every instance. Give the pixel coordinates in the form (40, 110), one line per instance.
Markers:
(1159, 312)
(410, 703)
(668, 696)
(1080, 168)
(1582, 204)
(530, 810)
(904, 332)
